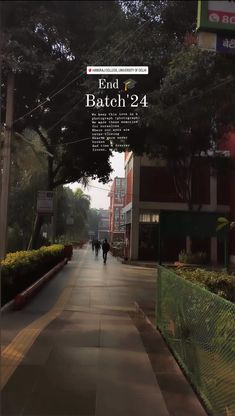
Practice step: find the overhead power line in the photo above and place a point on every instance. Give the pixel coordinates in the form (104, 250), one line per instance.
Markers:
(86, 56)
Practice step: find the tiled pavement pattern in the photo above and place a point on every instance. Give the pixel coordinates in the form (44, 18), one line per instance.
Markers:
(99, 357)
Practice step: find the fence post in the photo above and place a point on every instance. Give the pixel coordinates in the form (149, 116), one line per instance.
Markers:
(159, 241)
(158, 304)
(226, 254)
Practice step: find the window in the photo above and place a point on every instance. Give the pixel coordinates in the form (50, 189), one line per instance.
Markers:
(145, 218)
(155, 218)
(149, 217)
(116, 213)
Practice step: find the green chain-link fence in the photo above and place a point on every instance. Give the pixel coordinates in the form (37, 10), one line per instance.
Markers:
(199, 327)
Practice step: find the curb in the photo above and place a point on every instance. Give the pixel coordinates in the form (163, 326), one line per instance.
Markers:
(8, 306)
(21, 299)
(140, 310)
(205, 412)
(141, 265)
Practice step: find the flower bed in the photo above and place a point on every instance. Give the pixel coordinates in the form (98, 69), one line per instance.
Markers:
(23, 268)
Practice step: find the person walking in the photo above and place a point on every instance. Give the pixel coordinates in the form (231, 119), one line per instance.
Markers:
(97, 247)
(93, 244)
(105, 248)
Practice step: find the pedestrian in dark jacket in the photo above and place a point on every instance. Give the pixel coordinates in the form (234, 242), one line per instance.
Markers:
(105, 248)
(97, 247)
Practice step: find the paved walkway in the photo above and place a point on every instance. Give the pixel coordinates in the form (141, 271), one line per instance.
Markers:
(79, 348)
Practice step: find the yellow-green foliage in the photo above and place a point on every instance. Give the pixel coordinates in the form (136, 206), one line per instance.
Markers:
(220, 283)
(23, 268)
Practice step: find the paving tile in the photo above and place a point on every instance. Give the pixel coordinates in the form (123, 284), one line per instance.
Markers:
(163, 362)
(131, 373)
(23, 380)
(120, 324)
(76, 356)
(77, 338)
(115, 357)
(80, 300)
(77, 326)
(37, 355)
(120, 340)
(118, 396)
(115, 317)
(179, 396)
(13, 403)
(57, 403)
(55, 377)
(80, 317)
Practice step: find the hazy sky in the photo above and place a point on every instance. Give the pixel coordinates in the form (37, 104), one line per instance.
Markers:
(99, 197)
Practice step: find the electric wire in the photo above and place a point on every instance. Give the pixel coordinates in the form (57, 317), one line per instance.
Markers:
(91, 48)
(71, 110)
(169, 108)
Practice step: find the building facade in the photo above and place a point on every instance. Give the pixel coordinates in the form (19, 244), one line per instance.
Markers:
(103, 225)
(116, 216)
(150, 189)
(226, 188)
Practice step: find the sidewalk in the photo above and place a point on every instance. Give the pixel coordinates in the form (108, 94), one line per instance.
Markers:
(140, 263)
(99, 357)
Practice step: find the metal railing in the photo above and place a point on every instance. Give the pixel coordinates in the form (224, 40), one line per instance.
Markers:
(199, 328)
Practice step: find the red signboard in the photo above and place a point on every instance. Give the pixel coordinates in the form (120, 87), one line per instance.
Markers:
(221, 12)
(216, 16)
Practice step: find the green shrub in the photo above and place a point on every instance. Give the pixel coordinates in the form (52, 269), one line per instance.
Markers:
(220, 283)
(23, 268)
(193, 258)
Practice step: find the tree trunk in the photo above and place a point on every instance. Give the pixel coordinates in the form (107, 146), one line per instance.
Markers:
(188, 245)
(50, 173)
(39, 218)
(36, 232)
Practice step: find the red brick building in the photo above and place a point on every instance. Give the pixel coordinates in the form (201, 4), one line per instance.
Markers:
(227, 189)
(103, 226)
(116, 216)
(150, 188)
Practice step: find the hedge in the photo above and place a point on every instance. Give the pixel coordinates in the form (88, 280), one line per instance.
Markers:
(193, 258)
(220, 283)
(22, 268)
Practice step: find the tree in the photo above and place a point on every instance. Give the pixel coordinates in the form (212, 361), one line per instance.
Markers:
(27, 176)
(72, 214)
(190, 92)
(93, 221)
(46, 51)
(189, 114)
(57, 122)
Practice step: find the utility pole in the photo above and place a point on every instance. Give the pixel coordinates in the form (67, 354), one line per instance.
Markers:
(6, 165)
(1, 45)
(1, 42)
(54, 217)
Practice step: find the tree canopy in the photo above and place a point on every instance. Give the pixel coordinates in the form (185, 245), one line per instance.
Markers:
(47, 45)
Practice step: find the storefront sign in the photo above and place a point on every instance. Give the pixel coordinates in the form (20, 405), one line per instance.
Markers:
(216, 16)
(225, 44)
(45, 202)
